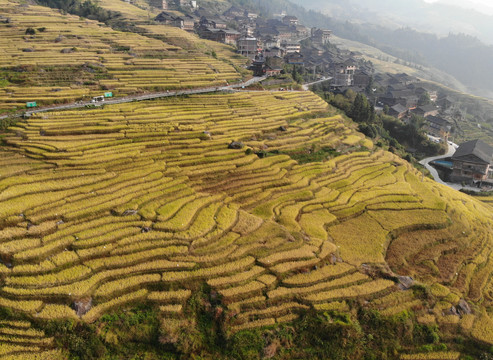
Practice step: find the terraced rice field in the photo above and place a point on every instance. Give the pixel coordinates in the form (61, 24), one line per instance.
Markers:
(142, 202)
(70, 59)
(19, 341)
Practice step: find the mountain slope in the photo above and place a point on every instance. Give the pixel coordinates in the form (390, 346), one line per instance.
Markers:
(202, 225)
(135, 196)
(439, 17)
(69, 59)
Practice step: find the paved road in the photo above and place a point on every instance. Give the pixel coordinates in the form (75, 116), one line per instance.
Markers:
(141, 97)
(151, 96)
(434, 173)
(306, 86)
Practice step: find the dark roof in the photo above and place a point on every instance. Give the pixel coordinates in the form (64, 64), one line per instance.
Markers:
(163, 16)
(295, 54)
(399, 108)
(398, 94)
(438, 120)
(230, 32)
(398, 87)
(477, 148)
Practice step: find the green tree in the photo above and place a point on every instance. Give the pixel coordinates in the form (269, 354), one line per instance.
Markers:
(424, 99)
(362, 111)
(369, 86)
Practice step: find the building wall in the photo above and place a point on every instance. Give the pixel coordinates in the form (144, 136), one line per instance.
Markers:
(247, 47)
(464, 171)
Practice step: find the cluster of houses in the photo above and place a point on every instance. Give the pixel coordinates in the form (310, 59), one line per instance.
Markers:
(403, 95)
(472, 162)
(272, 42)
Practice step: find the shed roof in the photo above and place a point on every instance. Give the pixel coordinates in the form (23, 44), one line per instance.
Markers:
(478, 148)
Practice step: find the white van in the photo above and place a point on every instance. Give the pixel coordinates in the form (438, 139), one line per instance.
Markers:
(97, 99)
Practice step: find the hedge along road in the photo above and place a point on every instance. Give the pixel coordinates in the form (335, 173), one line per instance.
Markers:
(140, 97)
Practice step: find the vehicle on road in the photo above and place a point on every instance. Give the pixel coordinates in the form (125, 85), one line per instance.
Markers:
(97, 99)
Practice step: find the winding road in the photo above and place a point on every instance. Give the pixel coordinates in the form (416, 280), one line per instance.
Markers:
(426, 163)
(128, 99)
(307, 86)
(151, 96)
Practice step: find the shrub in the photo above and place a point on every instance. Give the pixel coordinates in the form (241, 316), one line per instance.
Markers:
(78, 338)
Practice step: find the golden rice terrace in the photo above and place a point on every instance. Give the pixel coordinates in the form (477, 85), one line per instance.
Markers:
(51, 58)
(272, 200)
(141, 202)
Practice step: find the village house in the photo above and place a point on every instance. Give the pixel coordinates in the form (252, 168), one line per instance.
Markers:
(397, 87)
(361, 78)
(295, 59)
(290, 20)
(344, 73)
(419, 91)
(426, 110)
(473, 161)
(246, 29)
(270, 42)
(212, 23)
(403, 78)
(314, 51)
(381, 80)
(286, 33)
(320, 36)
(438, 126)
(445, 102)
(268, 33)
(266, 66)
(302, 32)
(272, 71)
(225, 36)
(291, 47)
(247, 46)
(185, 22)
(165, 18)
(275, 51)
(399, 111)
(403, 97)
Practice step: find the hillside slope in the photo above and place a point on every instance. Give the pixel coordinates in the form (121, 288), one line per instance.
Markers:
(191, 222)
(143, 202)
(70, 59)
